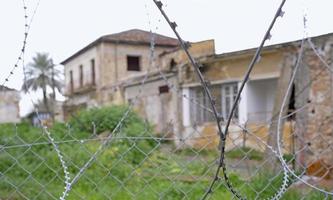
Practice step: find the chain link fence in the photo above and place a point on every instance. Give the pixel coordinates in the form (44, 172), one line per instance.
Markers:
(115, 153)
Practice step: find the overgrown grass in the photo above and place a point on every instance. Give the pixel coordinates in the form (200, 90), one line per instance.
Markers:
(128, 168)
(245, 152)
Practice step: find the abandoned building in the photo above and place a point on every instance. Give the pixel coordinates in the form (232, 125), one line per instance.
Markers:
(95, 74)
(112, 70)
(9, 105)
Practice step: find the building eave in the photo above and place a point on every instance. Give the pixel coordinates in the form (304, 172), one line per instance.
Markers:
(151, 78)
(293, 45)
(105, 40)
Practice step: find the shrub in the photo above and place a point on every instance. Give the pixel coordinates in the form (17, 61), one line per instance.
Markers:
(243, 152)
(105, 118)
(132, 126)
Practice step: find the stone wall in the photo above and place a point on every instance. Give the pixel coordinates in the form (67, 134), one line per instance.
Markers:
(160, 109)
(110, 73)
(224, 69)
(164, 110)
(315, 123)
(74, 65)
(114, 73)
(9, 106)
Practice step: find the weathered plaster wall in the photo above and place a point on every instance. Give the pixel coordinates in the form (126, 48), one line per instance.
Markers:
(220, 70)
(233, 68)
(160, 109)
(74, 65)
(260, 99)
(114, 73)
(314, 87)
(114, 61)
(197, 50)
(164, 110)
(9, 107)
(110, 73)
(84, 96)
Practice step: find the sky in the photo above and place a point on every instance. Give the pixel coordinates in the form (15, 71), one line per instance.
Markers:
(62, 27)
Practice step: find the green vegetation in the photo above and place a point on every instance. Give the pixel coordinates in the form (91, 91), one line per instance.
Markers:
(127, 168)
(245, 152)
(288, 158)
(41, 74)
(107, 118)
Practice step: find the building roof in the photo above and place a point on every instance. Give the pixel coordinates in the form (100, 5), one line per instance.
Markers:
(141, 36)
(133, 37)
(246, 52)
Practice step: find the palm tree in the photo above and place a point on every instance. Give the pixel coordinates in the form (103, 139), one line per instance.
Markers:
(41, 74)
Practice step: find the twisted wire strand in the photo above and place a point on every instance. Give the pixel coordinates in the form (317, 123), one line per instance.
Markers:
(278, 153)
(27, 26)
(196, 66)
(267, 36)
(48, 134)
(111, 135)
(204, 83)
(285, 181)
(223, 137)
(290, 85)
(258, 127)
(192, 100)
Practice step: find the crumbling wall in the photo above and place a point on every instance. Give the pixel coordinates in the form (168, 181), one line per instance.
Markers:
(9, 107)
(160, 108)
(315, 123)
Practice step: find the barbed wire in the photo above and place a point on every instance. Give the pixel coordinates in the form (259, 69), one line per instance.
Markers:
(284, 102)
(21, 58)
(204, 83)
(173, 26)
(27, 26)
(35, 108)
(284, 185)
(267, 36)
(119, 124)
(114, 136)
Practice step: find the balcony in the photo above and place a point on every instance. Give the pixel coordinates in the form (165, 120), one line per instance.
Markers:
(80, 90)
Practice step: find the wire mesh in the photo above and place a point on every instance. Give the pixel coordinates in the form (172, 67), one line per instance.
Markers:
(118, 153)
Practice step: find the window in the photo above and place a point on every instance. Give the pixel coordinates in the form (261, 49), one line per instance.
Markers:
(71, 82)
(224, 96)
(93, 75)
(133, 63)
(203, 68)
(172, 64)
(200, 106)
(81, 75)
(292, 104)
(163, 89)
(229, 93)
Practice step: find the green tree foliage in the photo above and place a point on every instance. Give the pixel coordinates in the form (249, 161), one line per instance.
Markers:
(41, 74)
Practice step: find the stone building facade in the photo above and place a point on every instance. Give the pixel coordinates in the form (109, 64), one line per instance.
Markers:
(95, 75)
(111, 70)
(160, 98)
(101, 74)
(225, 73)
(314, 125)
(308, 134)
(9, 105)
